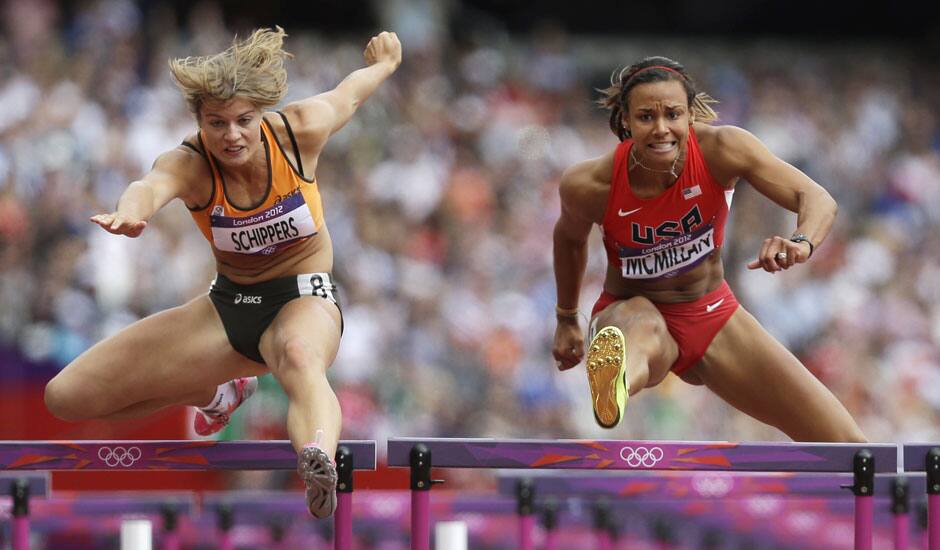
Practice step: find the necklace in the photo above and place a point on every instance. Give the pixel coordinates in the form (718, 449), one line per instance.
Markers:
(671, 171)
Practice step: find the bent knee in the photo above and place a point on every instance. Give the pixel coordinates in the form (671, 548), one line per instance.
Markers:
(638, 318)
(637, 312)
(300, 355)
(64, 402)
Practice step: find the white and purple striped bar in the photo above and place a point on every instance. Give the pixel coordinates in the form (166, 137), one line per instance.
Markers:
(925, 457)
(164, 455)
(642, 455)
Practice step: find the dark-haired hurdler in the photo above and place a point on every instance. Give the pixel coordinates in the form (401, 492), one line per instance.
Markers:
(661, 198)
(248, 178)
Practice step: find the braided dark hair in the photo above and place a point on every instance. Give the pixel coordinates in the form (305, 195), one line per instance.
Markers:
(651, 69)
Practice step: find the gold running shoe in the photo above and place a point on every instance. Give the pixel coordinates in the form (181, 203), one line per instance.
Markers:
(606, 370)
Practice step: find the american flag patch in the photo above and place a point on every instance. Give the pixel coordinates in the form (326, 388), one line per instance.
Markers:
(691, 192)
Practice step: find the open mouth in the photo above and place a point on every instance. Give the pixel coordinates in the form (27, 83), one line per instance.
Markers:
(663, 147)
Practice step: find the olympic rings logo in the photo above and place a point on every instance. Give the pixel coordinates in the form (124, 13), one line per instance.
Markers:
(641, 456)
(120, 456)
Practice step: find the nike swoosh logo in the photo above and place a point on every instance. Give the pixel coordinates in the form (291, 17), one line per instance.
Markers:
(711, 307)
(621, 213)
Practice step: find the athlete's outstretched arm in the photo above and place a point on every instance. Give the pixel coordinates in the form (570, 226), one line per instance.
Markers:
(320, 116)
(785, 185)
(570, 252)
(142, 199)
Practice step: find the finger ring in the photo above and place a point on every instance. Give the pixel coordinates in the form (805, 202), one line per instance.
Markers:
(781, 256)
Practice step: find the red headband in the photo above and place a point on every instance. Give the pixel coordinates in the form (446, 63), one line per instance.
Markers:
(654, 67)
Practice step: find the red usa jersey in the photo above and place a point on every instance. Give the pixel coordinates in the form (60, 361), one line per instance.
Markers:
(669, 234)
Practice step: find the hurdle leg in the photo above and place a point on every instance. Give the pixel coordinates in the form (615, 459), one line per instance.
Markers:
(342, 520)
(550, 522)
(933, 498)
(663, 534)
(864, 471)
(171, 536)
(900, 504)
(602, 525)
(524, 503)
(224, 515)
(420, 461)
(20, 493)
(921, 516)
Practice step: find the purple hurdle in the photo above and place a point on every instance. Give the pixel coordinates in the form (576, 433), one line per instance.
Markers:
(524, 509)
(21, 487)
(704, 486)
(189, 455)
(862, 460)
(900, 504)
(926, 458)
(20, 492)
(550, 523)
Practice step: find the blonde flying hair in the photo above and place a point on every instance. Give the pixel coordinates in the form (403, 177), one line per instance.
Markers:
(651, 69)
(252, 68)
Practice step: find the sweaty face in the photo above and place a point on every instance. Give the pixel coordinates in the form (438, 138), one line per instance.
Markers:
(658, 121)
(232, 129)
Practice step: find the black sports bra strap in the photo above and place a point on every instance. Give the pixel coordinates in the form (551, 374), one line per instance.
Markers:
(293, 142)
(191, 146)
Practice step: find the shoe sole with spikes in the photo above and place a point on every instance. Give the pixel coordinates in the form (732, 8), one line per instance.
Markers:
(319, 475)
(606, 369)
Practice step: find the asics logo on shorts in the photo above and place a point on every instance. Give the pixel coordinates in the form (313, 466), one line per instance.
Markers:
(246, 299)
(641, 456)
(120, 456)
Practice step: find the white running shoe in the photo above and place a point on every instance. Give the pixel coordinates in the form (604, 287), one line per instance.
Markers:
(319, 475)
(210, 422)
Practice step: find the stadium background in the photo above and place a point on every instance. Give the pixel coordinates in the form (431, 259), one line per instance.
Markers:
(441, 197)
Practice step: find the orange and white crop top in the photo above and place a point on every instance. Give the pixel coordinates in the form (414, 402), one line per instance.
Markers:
(290, 212)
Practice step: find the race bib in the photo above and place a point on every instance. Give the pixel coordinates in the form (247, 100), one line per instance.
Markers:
(263, 233)
(668, 258)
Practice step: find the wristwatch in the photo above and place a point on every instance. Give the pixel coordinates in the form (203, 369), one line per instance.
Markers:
(801, 238)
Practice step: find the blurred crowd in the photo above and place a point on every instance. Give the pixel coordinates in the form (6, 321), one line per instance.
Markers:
(441, 196)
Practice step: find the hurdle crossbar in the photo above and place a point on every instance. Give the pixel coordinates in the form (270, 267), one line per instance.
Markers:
(164, 455)
(642, 455)
(183, 455)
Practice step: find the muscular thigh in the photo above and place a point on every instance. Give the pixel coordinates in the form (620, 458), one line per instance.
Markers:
(174, 352)
(310, 326)
(645, 331)
(752, 371)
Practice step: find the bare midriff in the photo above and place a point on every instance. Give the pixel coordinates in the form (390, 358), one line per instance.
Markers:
(686, 287)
